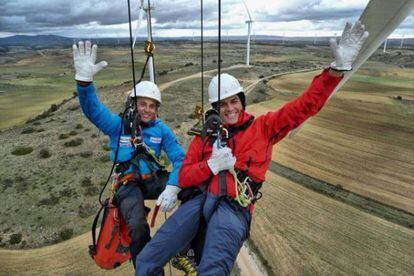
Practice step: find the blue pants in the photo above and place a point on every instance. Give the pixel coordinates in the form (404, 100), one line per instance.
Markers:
(227, 229)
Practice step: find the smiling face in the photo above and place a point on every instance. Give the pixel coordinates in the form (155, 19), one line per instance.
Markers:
(147, 109)
(230, 109)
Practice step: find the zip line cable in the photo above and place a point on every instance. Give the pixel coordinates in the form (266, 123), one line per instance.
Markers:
(219, 53)
(202, 60)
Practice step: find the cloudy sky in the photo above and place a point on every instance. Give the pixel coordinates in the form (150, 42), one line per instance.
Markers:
(108, 18)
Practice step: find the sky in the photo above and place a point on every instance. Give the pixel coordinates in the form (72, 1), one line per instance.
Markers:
(170, 18)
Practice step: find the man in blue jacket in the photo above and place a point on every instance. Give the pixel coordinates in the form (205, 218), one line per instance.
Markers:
(139, 158)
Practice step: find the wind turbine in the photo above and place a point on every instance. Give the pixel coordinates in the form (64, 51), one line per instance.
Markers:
(381, 18)
(385, 46)
(402, 41)
(249, 28)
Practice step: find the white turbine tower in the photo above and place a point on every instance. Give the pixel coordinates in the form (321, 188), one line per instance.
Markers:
(249, 28)
(149, 38)
(385, 46)
(402, 41)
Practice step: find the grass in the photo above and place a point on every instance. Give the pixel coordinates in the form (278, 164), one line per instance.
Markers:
(302, 232)
(337, 192)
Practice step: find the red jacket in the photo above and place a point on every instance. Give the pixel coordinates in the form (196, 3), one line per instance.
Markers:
(252, 147)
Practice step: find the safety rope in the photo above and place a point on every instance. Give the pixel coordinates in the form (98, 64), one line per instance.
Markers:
(202, 61)
(219, 54)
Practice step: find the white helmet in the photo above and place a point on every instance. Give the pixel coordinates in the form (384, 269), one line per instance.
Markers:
(146, 89)
(229, 86)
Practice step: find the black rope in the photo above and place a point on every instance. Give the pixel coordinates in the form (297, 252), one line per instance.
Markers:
(219, 54)
(202, 59)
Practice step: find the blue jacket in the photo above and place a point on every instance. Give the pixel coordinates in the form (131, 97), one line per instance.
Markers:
(157, 135)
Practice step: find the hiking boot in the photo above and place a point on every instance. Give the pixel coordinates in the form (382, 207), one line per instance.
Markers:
(185, 263)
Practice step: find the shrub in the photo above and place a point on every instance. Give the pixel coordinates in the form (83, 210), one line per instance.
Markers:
(49, 201)
(163, 72)
(73, 143)
(40, 130)
(15, 238)
(94, 135)
(86, 210)
(86, 182)
(22, 150)
(73, 133)
(79, 126)
(53, 107)
(63, 136)
(67, 192)
(92, 190)
(28, 130)
(36, 123)
(86, 154)
(104, 159)
(106, 148)
(65, 234)
(189, 64)
(44, 153)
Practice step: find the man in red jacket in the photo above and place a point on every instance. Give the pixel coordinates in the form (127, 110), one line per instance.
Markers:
(229, 166)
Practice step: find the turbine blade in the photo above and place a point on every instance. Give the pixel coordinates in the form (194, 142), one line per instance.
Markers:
(247, 10)
(140, 15)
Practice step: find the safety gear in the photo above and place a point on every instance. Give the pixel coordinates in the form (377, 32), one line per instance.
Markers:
(346, 50)
(221, 160)
(185, 263)
(84, 60)
(168, 198)
(229, 86)
(146, 89)
(112, 247)
(253, 145)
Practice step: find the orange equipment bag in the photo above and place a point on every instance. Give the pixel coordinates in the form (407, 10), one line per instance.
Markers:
(112, 247)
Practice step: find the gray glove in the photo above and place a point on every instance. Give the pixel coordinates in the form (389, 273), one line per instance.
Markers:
(222, 159)
(84, 59)
(347, 49)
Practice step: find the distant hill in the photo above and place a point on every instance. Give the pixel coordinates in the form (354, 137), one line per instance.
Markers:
(41, 41)
(36, 41)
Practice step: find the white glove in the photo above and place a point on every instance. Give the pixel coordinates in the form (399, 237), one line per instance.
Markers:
(222, 159)
(84, 59)
(168, 198)
(346, 51)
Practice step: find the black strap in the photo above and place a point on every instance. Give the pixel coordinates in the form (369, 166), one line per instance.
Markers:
(222, 184)
(95, 222)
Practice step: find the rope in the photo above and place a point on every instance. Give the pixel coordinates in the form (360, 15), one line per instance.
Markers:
(202, 60)
(219, 54)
